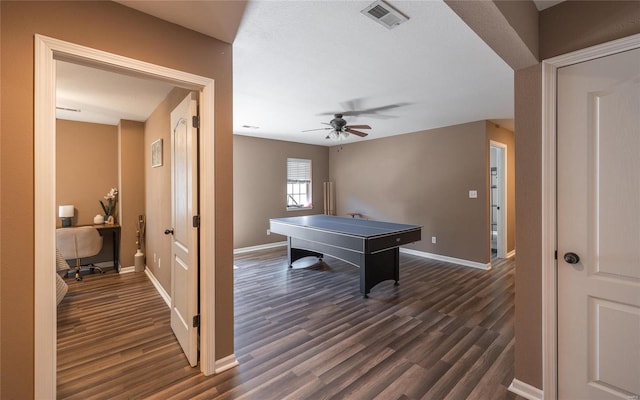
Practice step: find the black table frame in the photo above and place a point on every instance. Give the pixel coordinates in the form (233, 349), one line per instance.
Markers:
(377, 256)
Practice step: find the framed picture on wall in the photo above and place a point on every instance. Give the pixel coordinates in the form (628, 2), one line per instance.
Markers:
(156, 153)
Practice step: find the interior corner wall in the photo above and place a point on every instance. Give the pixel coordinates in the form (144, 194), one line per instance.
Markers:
(421, 178)
(528, 143)
(86, 166)
(111, 27)
(259, 187)
(158, 189)
(506, 137)
(566, 27)
(131, 186)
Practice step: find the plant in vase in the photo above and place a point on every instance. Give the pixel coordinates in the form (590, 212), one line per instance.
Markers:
(110, 208)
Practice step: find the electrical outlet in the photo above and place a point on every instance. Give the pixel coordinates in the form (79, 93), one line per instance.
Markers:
(158, 262)
(473, 194)
(433, 239)
(268, 231)
(154, 257)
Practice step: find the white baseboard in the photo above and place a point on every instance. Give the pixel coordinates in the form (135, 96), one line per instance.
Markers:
(423, 254)
(259, 247)
(226, 363)
(459, 261)
(126, 270)
(158, 286)
(510, 254)
(525, 390)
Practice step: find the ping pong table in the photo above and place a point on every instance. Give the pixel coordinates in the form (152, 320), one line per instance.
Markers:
(373, 246)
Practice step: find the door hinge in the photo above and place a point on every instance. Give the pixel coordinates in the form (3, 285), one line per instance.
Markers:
(555, 255)
(196, 121)
(196, 321)
(196, 221)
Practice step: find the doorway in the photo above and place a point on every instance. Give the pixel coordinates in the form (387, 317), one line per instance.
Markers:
(550, 300)
(598, 226)
(47, 51)
(498, 198)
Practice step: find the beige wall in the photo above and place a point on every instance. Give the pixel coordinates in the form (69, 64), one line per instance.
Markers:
(506, 137)
(574, 25)
(528, 297)
(131, 185)
(567, 27)
(158, 189)
(259, 187)
(91, 159)
(86, 166)
(111, 27)
(422, 178)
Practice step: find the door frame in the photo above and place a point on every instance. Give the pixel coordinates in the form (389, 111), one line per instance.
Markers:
(47, 51)
(501, 164)
(549, 195)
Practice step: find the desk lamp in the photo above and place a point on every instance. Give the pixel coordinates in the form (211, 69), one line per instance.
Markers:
(66, 213)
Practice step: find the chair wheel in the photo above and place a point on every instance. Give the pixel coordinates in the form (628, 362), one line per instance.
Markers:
(78, 278)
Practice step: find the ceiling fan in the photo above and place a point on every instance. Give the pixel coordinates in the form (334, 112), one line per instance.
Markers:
(355, 107)
(340, 129)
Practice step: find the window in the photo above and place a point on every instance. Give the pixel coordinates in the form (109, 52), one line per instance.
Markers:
(298, 184)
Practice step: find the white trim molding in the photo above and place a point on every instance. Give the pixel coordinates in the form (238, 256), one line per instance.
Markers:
(266, 246)
(459, 261)
(510, 254)
(422, 254)
(525, 390)
(156, 283)
(226, 363)
(548, 168)
(127, 270)
(47, 51)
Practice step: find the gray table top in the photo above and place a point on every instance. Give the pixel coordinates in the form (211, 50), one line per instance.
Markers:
(346, 225)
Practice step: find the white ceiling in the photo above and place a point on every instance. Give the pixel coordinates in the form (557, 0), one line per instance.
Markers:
(105, 97)
(297, 62)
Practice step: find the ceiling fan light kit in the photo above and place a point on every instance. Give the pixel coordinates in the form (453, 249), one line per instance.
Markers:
(337, 135)
(340, 130)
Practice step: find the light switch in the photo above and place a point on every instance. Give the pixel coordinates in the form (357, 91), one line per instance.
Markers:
(473, 194)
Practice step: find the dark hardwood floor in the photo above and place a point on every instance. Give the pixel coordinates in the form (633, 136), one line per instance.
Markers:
(446, 332)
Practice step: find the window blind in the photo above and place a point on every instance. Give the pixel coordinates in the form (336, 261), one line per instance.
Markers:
(298, 170)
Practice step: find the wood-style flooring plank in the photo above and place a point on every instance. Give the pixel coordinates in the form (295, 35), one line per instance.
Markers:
(446, 332)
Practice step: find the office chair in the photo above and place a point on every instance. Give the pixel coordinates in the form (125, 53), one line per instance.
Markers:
(78, 243)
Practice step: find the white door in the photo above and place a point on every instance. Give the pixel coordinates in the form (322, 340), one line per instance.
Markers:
(599, 223)
(184, 213)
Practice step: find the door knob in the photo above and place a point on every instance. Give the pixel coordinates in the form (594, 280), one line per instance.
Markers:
(168, 231)
(571, 258)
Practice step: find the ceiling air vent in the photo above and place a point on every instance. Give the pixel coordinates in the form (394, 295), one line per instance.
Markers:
(384, 14)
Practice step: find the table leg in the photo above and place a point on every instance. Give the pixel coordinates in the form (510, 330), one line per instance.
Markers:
(294, 253)
(116, 250)
(379, 267)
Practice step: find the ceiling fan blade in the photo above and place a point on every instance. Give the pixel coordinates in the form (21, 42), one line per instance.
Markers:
(367, 111)
(319, 129)
(357, 133)
(358, 126)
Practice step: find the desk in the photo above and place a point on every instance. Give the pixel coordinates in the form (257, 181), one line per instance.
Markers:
(107, 231)
(373, 246)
